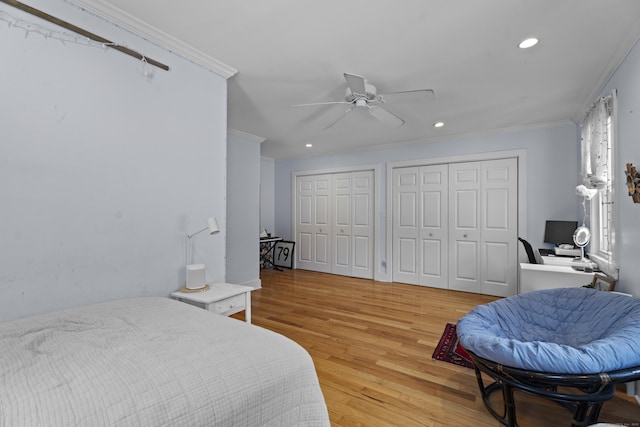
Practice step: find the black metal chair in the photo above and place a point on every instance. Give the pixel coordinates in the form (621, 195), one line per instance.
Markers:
(584, 395)
(567, 345)
(529, 250)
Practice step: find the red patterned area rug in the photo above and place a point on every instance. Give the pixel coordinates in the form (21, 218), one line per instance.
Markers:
(449, 349)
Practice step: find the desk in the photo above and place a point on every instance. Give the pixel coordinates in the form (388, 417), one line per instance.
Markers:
(560, 260)
(267, 244)
(543, 276)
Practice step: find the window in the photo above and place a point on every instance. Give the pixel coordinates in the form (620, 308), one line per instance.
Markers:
(597, 170)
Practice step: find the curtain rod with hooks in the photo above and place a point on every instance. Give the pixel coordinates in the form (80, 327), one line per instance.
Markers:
(85, 33)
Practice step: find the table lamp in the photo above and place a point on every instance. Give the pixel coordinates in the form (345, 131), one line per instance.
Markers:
(195, 273)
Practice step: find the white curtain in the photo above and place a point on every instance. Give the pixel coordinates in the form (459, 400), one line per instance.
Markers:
(598, 167)
(595, 159)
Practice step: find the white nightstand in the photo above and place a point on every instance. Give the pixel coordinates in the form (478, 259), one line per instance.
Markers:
(221, 298)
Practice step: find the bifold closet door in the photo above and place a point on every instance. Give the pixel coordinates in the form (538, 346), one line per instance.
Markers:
(455, 226)
(334, 223)
(313, 227)
(483, 208)
(420, 226)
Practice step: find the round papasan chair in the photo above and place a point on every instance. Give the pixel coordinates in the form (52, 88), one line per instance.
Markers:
(569, 345)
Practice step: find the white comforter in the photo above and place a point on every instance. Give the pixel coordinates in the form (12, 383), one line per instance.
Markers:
(153, 362)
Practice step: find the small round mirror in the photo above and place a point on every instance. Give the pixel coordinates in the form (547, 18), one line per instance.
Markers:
(581, 236)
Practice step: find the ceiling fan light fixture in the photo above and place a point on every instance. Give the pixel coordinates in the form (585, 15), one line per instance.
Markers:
(363, 95)
(361, 102)
(527, 43)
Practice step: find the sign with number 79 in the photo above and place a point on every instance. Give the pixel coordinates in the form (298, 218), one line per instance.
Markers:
(283, 254)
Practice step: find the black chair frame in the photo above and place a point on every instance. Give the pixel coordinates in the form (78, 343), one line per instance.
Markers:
(529, 250)
(584, 395)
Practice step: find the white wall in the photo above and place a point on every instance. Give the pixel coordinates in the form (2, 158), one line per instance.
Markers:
(267, 193)
(627, 82)
(103, 173)
(552, 174)
(243, 211)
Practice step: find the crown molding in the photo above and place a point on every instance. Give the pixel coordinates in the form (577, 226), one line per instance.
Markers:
(246, 136)
(136, 26)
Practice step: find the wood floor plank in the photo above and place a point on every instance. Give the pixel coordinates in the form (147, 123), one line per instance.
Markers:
(372, 342)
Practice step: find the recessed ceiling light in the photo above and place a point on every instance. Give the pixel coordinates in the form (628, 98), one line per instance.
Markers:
(438, 124)
(527, 43)
(308, 145)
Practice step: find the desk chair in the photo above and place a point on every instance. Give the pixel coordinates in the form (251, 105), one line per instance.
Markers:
(530, 253)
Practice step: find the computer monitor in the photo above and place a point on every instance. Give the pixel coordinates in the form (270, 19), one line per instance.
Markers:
(560, 232)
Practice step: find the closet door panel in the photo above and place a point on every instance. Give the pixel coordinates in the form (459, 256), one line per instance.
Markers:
(322, 210)
(342, 256)
(362, 224)
(496, 254)
(499, 227)
(464, 231)
(431, 258)
(466, 271)
(321, 249)
(342, 217)
(305, 217)
(434, 227)
(407, 259)
(305, 247)
(362, 258)
(312, 223)
(406, 230)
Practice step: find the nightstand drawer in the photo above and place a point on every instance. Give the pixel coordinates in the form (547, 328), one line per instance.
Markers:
(232, 304)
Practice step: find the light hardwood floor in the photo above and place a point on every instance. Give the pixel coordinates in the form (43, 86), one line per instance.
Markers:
(372, 342)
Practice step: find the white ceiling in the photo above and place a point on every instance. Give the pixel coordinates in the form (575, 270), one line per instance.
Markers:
(295, 51)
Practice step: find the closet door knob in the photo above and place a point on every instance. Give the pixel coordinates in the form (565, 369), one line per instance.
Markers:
(465, 236)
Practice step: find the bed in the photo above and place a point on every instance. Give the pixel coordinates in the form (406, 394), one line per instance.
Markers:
(153, 362)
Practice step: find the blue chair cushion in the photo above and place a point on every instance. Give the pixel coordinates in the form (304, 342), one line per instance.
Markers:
(565, 330)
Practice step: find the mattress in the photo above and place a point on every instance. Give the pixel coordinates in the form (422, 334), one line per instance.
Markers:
(153, 362)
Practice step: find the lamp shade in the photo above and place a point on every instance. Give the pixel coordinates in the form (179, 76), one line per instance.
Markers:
(196, 276)
(213, 226)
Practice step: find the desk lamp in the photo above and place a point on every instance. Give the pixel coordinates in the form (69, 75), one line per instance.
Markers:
(195, 273)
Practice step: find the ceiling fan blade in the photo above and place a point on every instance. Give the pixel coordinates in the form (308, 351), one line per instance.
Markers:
(355, 83)
(321, 103)
(386, 117)
(339, 118)
(409, 95)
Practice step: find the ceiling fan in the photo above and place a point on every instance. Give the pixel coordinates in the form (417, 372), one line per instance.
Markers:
(362, 94)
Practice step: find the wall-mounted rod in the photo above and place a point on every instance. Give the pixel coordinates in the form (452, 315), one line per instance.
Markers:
(85, 33)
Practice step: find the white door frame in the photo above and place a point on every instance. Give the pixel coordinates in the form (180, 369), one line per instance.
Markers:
(520, 155)
(377, 275)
